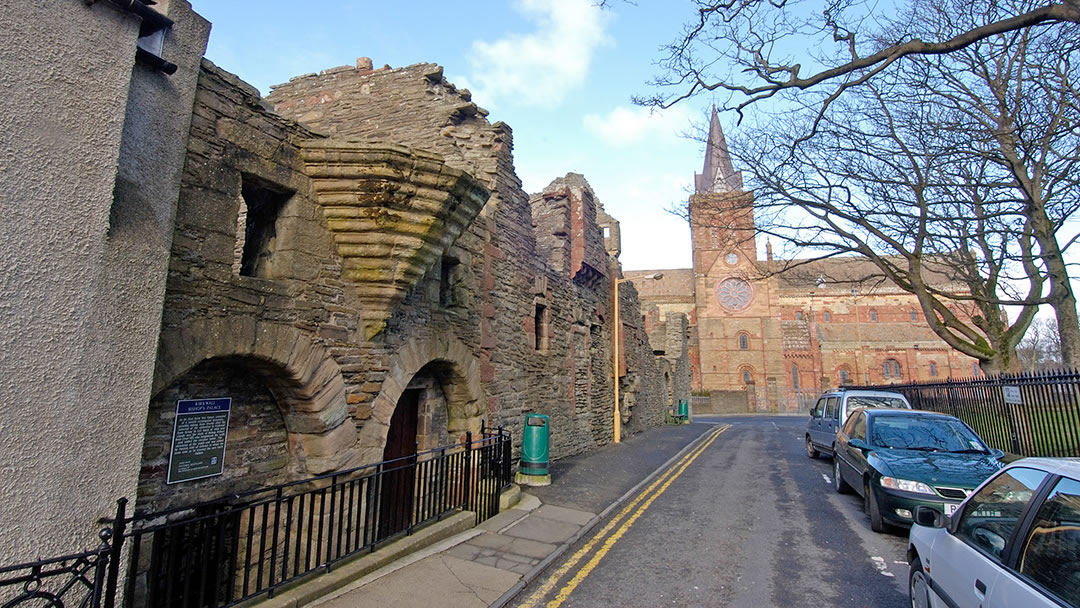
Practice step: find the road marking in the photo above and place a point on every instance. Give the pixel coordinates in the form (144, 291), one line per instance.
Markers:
(827, 479)
(663, 481)
(882, 567)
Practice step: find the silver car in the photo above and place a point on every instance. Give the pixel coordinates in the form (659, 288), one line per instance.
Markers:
(1015, 542)
(833, 408)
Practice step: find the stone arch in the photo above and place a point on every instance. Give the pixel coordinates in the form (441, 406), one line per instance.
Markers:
(459, 371)
(303, 376)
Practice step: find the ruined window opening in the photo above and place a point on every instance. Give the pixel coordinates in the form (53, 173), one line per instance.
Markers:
(448, 277)
(744, 342)
(795, 377)
(540, 328)
(607, 232)
(256, 233)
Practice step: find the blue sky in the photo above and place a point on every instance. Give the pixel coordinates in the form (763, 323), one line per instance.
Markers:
(559, 72)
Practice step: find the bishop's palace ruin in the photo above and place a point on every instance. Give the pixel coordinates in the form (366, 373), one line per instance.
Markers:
(353, 250)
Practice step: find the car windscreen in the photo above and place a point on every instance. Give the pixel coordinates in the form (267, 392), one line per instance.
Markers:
(856, 401)
(931, 434)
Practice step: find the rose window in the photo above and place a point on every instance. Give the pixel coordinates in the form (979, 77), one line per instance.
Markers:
(734, 293)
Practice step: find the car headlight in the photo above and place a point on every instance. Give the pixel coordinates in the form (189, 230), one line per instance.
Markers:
(906, 485)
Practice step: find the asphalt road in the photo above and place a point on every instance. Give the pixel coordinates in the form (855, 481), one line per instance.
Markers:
(748, 520)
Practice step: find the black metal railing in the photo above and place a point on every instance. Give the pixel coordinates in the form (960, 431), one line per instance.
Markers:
(220, 553)
(1035, 414)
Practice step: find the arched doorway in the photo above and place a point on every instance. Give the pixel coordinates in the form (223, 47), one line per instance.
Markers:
(419, 423)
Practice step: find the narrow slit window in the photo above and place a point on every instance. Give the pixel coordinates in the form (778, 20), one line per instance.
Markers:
(540, 328)
(448, 279)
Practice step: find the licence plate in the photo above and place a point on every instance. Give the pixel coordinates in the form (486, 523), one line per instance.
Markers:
(950, 508)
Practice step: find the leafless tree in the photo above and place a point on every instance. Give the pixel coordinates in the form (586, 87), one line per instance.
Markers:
(969, 154)
(1040, 349)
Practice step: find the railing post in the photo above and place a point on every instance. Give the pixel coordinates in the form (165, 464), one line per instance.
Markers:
(468, 470)
(117, 538)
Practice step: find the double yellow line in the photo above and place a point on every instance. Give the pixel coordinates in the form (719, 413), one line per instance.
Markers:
(620, 524)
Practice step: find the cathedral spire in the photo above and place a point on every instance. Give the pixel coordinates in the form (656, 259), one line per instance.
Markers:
(719, 174)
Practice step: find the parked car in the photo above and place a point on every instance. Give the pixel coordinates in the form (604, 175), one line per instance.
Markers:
(899, 460)
(1014, 542)
(832, 410)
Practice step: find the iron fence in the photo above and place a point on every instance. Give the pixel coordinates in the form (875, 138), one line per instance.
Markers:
(1036, 414)
(219, 553)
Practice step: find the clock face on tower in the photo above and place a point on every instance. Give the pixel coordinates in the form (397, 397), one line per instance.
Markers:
(734, 293)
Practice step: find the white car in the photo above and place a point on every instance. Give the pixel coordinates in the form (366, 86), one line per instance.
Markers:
(1015, 542)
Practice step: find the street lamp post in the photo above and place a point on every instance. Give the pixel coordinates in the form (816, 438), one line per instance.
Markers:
(617, 424)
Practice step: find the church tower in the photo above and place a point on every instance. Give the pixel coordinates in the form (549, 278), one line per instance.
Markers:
(740, 345)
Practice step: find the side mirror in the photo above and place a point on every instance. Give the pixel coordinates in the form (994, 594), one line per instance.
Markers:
(858, 444)
(930, 517)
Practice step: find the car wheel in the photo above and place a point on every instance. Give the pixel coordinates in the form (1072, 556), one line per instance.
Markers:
(811, 451)
(918, 587)
(870, 500)
(838, 482)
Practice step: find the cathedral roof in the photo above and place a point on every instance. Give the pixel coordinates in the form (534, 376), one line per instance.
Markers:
(675, 284)
(845, 272)
(719, 174)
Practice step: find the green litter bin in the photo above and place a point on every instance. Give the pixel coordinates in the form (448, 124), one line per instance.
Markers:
(684, 409)
(534, 445)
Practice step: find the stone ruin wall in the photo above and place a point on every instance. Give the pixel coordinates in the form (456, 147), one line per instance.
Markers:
(296, 329)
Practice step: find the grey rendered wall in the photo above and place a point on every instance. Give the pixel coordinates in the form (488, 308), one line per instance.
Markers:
(80, 299)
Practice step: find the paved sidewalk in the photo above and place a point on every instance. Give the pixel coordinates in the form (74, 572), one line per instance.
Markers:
(488, 565)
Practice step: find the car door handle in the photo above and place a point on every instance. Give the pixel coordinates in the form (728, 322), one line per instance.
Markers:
(980, 587)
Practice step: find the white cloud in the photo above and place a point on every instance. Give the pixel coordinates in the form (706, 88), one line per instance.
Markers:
(624, 126)
(541, 67)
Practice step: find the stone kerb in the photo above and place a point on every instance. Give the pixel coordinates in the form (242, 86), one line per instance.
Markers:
(463, 391)
(302, 374)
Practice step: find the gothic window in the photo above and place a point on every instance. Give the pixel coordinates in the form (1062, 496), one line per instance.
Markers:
(744, 341)
(256, 231)
(873, 316)
(975, 369)
(828, 317)
(913, 314)
(892, 368)
(845, 376)
(734, 293)
(798, 315)
(747, 377)
(795, 377)
(933, 369)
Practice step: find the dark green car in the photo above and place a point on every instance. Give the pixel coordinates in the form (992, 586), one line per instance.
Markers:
(902, 459)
